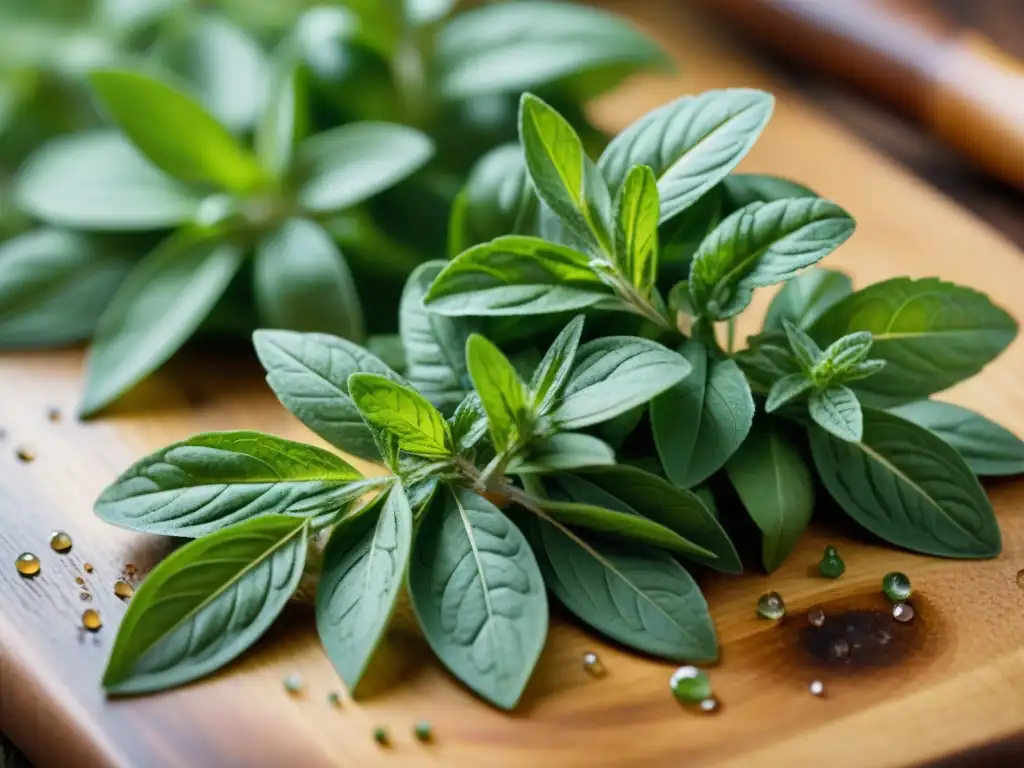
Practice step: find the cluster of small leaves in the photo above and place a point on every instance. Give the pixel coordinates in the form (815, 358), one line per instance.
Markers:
(238, 178)
(534, 449)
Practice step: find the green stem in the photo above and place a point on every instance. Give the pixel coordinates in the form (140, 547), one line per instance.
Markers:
(732, 335)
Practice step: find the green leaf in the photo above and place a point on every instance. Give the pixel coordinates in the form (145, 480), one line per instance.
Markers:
(510, 48)
(636, 229)
(551, 375)
(614, 374)
(175, 133)
(637, 596)
(931, 334)
(701, 421)
(691, 144)
(155, 310)
(516, 275)
(346, 165)
(805, 351)
(805, 297)
(988, 449)
(775, 485)
(502, 393)
(303, 283)
(559, 453)
(630, 489)
(206, 604)
(479, 595)
(424, 12)
(365, 565)
(909, 487)
(309, 374)
(403, 412)
(763, 244)
(564, 177)
(217, 479)
(786, 390)
(54, 285)
(837, 410)
(469, 423)
(681, 236)
(97, 180)
(742, 189)
(284, 115)
(435, 345)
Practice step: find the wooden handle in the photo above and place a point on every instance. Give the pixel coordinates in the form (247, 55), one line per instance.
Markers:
(955, 82)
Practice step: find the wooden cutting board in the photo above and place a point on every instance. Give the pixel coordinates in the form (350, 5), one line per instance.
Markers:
(950, 681)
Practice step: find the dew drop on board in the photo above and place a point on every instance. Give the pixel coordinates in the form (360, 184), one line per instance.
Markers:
(334, 699)
(771, 606)
(816, 617)
(423, 731)
(710, 705)
(896, 586)
(293, 683)
(902, 612)
(28, 565)
(87, 567)
(817, 688)
(60, 542)
(690, 685)
(91, 620)
(592, 663)
(123, 589)
(380, 735)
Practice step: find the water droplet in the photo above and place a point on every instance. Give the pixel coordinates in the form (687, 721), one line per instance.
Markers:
(423, 731)
(334, 699)
(91, 619)
(380, 735)
(816, 616)
(690, 685)
(710, 705)
(293, 683)
(53, 414)
(817, 688)
(123, 589)
(87, 567)
(902, 612)
(25, 454)
(840, 649)
(896, 586)
(771, 606)
(28, 565)
(592, 663)
(60, 542)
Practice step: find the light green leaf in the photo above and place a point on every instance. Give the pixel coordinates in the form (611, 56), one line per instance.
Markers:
(805, 297)
(155, 310)
(97, 180)
(703, 419)
(776, 487)
(837, 410)
(636, 229)
(343, 166)
(742, 189)
(763, 244)
(551, 375)
(909, 487)
(364, 570)
(309, 374)
(559, 453)
(989, 449)
(423, 12)
(54, 285)
(931, 334)
(403, 412)
(614, 374)
(691, 144)
(206, 604)
(284, 119)
(217, 479)
(516, 275)
(479, 595)
(637, 596)
(502, 393)
(786, 390)
(806, 352)
(175, 133)
(468, 423)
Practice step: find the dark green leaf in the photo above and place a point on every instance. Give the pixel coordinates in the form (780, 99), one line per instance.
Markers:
(786, 390)
(681, 236)
(551, 375)
(469, 423)
(742, 189)
(502, 393)
(804, 349)
(206, 603)
(636, 229)
(568, 451)
(909, 487)
(805, 297)
(403, 412)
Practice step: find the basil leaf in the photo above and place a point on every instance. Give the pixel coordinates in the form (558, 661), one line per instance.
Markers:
(513, 48)
(908, 487)
(786, 390)
(691, 144)
(214, 480)
(206, 603)
(742, 189)
(559, 453)
(155, 310)
(614, 374)
(435, 345)
(776, 487)
(303, 283)
(346, 165)
(931, 334)
(805, 297)
(516, 275)
(630, 489)
(403, 412)
(703, 419)
(637, 596)
(175, 133)
(54, 285)
(805, 351)
(97, 180)
(309, 374)
(468, 423)
(479, 595)
(550, 376)
(988, 449)
(501, 391)
(681, 236)
(763, 244)
(365, 565)
(284, 115)
(636, 229)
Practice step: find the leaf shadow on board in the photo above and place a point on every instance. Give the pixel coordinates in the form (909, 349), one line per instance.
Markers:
(403, 655)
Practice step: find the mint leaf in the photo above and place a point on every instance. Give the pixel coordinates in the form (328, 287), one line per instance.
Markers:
(560, 453)
(282, 121)
(468, 423)
(703, 419)
(742, 189)
(636, 229)
(837, 411)
(550, 376)
(909, 487)
(502, 393)
(805, 297)
(786, 390)
(806, 352)
(403, 412)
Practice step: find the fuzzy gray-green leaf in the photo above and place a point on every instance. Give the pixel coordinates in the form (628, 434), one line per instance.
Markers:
(805, 297)
(837, 410)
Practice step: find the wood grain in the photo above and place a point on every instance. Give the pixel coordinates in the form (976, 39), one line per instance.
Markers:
(954, 680)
